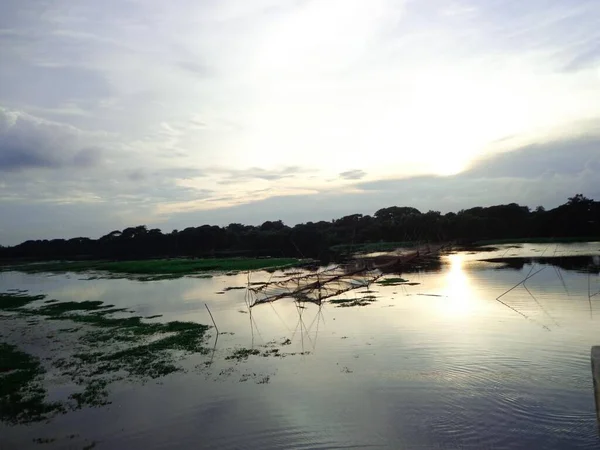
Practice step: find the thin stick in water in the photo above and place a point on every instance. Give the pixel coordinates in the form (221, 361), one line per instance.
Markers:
(213, 319)
(520, 283)
(540, 305)
(516, 310)
(590, 295)
(524, 315)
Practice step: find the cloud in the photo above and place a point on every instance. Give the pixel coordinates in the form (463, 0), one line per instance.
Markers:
(27, 142)
(353, 174)
(565, 156)
(196, 68)
(232, 176)
(51, 87)
(51, 162)
(504, 178)
(587, 57)
(543, 173)
(176, 173)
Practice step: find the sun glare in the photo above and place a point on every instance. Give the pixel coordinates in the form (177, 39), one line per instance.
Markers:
(458, 289)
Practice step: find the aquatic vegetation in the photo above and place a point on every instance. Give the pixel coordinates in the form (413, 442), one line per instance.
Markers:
(396, 282)
(95, 394)
(44, 440)
(243, 353)
(158, 268)
(151, 360)
(22, 397)
(392, 281)
(349, 302)
(234, 288)
(108, 349)
(12, 302)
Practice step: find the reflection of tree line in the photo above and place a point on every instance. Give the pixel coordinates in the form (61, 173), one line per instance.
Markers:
(585, 264)
(579, 217)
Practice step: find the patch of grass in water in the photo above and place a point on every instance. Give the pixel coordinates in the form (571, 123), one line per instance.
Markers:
(243, 353)
(157, 268)
(22, 398)
(105, 311)
(111, 347)
(11, 302)
(350, 302)
(44, 440)
(392, 281)
(69, 330)
(233, 288)
(61, 308)
(137, 361)
(152, 359)
(94, 394)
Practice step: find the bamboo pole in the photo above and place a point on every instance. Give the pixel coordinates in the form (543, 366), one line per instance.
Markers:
(213, 319)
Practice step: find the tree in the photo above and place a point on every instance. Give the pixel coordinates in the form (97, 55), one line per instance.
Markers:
(577, 199)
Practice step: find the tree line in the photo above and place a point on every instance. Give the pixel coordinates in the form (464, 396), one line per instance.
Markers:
(578, 217)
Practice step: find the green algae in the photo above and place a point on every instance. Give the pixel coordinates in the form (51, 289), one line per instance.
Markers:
(350, 302)
(22, 397)
(108, 349)
(156, 269)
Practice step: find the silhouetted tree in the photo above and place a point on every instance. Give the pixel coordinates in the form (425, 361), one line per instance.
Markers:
(578, 217)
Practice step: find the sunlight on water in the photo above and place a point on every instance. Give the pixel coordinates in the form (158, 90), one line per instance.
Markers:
(460, 300)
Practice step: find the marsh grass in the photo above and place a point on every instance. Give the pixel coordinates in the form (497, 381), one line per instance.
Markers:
(392, 281)
(10, 301)
(22, 397)
(108, 349)
(350, 302)
(156, 269)
(243, 353)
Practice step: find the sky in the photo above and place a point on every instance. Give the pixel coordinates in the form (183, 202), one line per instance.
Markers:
(181, 113)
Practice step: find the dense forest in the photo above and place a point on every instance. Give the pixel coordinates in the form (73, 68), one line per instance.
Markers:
(578, 217)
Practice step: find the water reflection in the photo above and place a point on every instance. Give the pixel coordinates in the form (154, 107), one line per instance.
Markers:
(585, 264)
(458, 287)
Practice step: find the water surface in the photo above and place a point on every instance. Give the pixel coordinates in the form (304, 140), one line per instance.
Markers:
(441, 364)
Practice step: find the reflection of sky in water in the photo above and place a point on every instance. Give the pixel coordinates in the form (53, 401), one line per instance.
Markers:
(456, 370)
